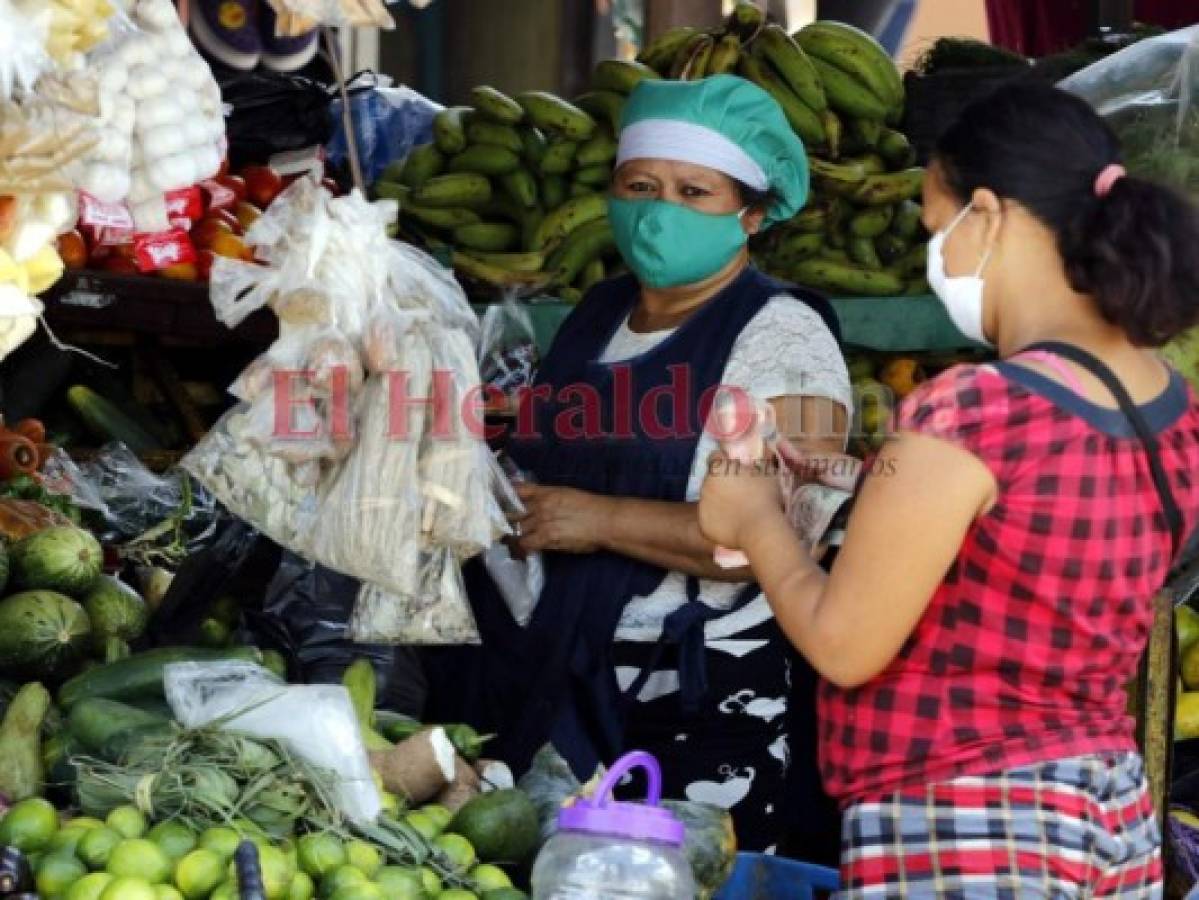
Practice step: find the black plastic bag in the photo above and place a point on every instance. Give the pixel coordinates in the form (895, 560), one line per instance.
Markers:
(274, 113)
(238, 561)
(305, 616)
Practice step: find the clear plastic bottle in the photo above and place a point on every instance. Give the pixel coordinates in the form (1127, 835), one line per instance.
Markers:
(604, 850)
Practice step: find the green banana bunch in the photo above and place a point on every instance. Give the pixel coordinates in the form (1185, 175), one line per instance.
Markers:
(855, 54)
(660, 54)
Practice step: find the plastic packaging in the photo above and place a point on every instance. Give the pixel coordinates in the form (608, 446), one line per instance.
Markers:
(315, 722)
(128, 496)
(1149, 94)
(23, 56)
(519, 581)
(352, 13)
(353, 445)
(603, 848)
(306, 616)
(507, 350)
(388, 123)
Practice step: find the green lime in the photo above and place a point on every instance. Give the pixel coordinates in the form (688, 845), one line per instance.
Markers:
(320, 854)
(364, 857)
(175, 839)
(277, 871)
(391, 803)
(83, 822)
(488, 877)
(57, 872)
(139, 858)
(221, 841)
(509, 893)
(439, 814)
(226, 891)
(399, 883)
(457, 848)
(129, 889)
(301, 887)
(67, 840)
(423, 825)
(198, 874)
(127, 821)
(457, 894)
(166, 892)
(29, 826)
(339, 878)
(89, 887)
(433, 885)
(96, 846)
(364, 891)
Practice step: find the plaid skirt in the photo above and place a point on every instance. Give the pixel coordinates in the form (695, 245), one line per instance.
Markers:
(1070, 828)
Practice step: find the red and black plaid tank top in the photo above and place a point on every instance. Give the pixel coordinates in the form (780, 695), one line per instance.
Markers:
(1025, 648)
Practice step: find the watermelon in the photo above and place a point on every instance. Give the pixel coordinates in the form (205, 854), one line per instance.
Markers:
(64, 559)
(115, 610)
(41, 633)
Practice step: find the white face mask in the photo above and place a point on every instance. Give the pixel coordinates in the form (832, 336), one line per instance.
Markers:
(962, 295)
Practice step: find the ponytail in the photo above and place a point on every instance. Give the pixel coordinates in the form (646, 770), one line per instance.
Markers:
(1130, 244)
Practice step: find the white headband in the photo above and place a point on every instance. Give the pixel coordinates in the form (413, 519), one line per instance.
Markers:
(690, 143)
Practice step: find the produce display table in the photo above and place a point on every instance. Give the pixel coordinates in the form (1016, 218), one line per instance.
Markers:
(99, 301)
(180, 310)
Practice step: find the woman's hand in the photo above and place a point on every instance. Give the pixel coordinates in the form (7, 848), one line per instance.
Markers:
(835, 470)
(735, 497)
(562, 519)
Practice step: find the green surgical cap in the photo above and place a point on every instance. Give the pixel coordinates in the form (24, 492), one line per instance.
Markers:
(722, 122)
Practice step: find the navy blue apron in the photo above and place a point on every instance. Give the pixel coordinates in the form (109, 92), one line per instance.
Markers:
(612, 429)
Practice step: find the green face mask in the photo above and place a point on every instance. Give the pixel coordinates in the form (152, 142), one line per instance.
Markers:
(667, 244)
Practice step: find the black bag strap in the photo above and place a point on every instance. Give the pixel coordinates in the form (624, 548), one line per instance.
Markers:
(1132, 412)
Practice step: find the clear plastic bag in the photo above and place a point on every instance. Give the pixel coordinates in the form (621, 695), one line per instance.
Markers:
(348, 13)
(507, 349)
(127, 495)
(1149, 94)
(23, 56)
(315, 722)
(519, 581)
(436, 611)
(378, 474)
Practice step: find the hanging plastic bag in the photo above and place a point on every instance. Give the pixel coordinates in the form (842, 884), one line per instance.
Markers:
(315, 722)
(1149, 94)
(435, 612)
(507, 351)
(519, 581)
(388, 123)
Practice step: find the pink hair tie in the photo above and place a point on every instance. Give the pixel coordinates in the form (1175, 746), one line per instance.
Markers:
(1108, 177)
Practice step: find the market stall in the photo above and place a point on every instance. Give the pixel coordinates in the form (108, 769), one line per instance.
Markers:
(160, 737)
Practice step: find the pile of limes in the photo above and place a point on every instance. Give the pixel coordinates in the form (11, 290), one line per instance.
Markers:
(123, 858)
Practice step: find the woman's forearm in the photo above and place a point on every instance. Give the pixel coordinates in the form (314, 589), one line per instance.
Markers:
(794, 586)
(665, 534)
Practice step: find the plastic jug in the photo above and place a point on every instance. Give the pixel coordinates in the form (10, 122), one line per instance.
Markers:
(605, 850)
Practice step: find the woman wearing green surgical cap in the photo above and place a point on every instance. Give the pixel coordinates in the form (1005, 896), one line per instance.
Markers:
(640, 640)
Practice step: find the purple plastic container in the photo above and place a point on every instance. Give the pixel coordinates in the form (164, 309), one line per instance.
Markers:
(609, 850)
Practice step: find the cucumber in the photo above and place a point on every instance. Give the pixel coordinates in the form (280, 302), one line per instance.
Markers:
(109, 422)
(140, 675)
(96, 723)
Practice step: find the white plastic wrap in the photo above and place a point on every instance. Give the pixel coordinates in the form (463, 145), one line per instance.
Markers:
(23, 56)
(315, 722)
(347, 13)
(1149, 94)
(380, 474)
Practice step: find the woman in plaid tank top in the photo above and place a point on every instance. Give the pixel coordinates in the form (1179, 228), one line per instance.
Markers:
(993, 594)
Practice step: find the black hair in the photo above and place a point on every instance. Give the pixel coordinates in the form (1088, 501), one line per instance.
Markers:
(752, 197)
(1135, 251)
